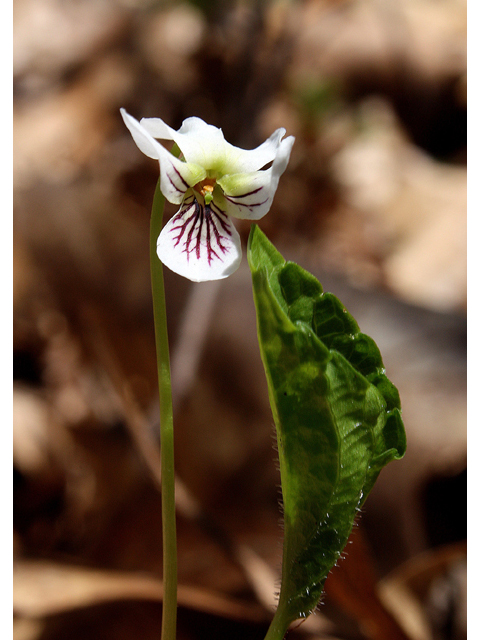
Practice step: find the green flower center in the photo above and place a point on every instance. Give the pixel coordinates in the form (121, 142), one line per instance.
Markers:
(205, 187)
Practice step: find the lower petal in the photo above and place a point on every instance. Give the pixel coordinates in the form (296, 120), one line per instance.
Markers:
(200, 242)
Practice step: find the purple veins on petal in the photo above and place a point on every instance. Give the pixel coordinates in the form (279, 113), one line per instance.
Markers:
(212, 219)
(249, 206)
(179, 175)
(198, 218)
(250, 193)
(183, 221)
(197, 227)
(220, 216)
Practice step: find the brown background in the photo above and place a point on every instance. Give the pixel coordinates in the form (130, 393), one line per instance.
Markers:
(373, 203)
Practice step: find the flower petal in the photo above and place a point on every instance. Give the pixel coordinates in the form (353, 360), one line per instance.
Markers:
(176, 177)
(250, 195)
(200, 143)
(200, 242)
(205, 145)
(157, 128)
(247, 160)
(144, 141)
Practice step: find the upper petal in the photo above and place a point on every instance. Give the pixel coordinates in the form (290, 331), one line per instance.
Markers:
(250, 195)
(200, 143)
(205, 145)
(144, 141)
(176, 177)
(200, 243)
(157, 128)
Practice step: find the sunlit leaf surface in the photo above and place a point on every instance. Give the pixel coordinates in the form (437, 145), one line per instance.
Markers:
(336, 413)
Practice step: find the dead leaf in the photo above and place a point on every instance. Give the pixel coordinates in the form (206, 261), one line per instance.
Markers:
(42, 588)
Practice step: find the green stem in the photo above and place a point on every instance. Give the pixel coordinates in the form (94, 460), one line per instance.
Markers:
(279, 625)
(169, 615)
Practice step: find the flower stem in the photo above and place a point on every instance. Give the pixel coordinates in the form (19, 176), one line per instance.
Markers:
(169, 614)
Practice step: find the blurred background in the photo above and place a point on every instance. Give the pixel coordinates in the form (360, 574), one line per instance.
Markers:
(373, 203)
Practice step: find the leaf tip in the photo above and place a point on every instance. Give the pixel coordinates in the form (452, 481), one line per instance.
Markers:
(261, 252)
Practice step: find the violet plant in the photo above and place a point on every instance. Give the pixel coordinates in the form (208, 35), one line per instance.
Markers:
(337, 415)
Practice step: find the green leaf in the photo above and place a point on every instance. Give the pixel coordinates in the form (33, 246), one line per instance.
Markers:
(337, 418)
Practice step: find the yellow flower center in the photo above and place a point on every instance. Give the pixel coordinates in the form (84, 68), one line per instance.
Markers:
(205, 187)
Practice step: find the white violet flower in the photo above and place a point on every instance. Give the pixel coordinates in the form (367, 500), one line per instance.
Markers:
(214, 183)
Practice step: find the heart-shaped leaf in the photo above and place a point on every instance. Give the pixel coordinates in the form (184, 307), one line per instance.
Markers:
(337, 418)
